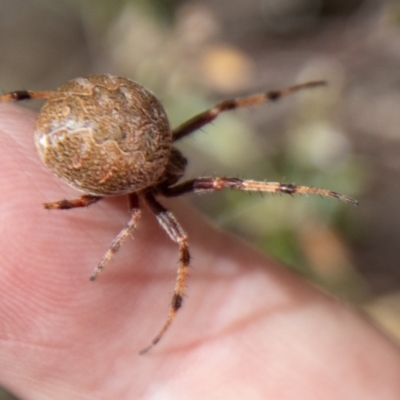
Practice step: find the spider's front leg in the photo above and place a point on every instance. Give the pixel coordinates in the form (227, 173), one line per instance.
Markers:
(209, 115)
(209, 184)
(169, 223)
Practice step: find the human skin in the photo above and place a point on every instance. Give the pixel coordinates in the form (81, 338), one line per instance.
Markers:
(248, 328)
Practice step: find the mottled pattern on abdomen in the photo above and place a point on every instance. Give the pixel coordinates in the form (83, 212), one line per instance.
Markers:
(104, 135)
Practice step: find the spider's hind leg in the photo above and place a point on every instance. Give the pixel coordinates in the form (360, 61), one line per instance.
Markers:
(19, 95)
(176, 233)
(83, 201)
(134, 208)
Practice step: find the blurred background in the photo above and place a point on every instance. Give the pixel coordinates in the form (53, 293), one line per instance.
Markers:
(191, 54)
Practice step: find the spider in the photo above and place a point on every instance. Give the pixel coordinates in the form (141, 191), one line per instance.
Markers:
(106, 136)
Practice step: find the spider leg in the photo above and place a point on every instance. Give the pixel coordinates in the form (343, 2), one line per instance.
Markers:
(19, 95)
(117, 242)
(83, 201)
(209, 115)
(176, 233)
(208, 184)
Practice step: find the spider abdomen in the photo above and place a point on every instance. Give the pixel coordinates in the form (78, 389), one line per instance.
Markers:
(104, 135)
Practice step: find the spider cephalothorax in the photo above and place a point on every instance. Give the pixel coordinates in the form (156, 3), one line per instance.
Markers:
(107, 136)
